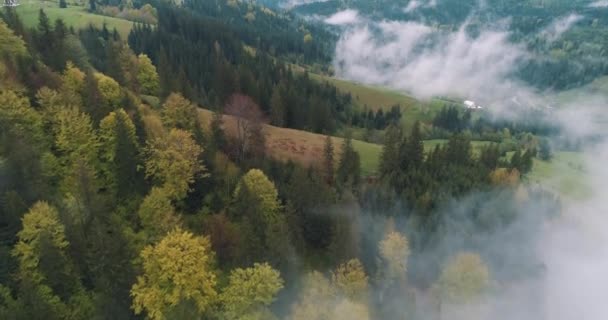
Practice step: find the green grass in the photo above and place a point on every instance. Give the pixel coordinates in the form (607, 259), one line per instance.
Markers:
(370, 152)
(429, 145)
(381, 98)
(564, 174)
(75, 16)
(370, 156)
(374, 97)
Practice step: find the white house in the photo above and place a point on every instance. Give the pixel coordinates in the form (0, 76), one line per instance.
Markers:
(471, 105)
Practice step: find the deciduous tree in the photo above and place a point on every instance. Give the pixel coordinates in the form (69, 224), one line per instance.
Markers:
(157, 215)
(174, 161)
(394, 251)
(249, 117)
(463, 279)
(109, 89)
(250, 291)
(147, 76)
(178, 277)
(351, 280)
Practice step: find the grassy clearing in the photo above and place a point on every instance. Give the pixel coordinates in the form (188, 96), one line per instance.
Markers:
(74, 16)
(564, 174)
(381, 98)
(304, 147)
(429, 145)
(374, 97)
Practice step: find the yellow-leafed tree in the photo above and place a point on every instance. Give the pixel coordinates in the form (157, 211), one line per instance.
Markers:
(394, 251)
(250, 291)
(174, 161)
(351, 280)
(178, 278)
(463, 279)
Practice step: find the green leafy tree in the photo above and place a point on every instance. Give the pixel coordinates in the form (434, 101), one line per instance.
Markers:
(147, 76)
(41, 227)
(260, 211)
(157, 214)
(45, 272)
(178, 278)
(119, 153)
(11, 45)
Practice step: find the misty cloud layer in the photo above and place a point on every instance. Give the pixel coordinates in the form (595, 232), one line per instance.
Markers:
(413, 5)
(294, 3)
(555, 30)
(345, 17)
(416, 58)
(599, 4)
(426, 62)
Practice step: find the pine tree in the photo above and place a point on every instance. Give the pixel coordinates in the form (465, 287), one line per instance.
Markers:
(277, 109)
(349, 168)
(415, 149)
(545, 152)
(165, 74)
(92, 6)
(516, 160)
(390, 157)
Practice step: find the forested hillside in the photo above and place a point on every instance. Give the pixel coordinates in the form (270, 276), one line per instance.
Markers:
(121, 199)
(572, 60)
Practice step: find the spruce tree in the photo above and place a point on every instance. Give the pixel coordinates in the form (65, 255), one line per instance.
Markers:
(415, 150)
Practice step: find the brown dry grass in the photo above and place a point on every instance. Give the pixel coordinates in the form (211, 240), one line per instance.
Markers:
(302, 147)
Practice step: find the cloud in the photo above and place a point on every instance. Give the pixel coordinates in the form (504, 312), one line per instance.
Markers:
(555, 30)
(413, 5)
(427, 62)
(294, 3)
(344, 17)
(573, 247)
(599, 4)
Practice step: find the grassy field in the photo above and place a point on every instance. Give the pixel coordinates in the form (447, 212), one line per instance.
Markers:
(373, 97)
(304, 147)
(381, 98)
(429, 145)
(75, 16)
(564, 174)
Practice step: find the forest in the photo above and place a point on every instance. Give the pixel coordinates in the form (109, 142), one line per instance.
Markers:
(119, 201)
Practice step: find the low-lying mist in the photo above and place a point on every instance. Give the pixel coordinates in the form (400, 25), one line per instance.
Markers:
(559, 246)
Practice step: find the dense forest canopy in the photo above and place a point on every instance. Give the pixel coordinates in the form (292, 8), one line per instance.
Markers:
(137, 181)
